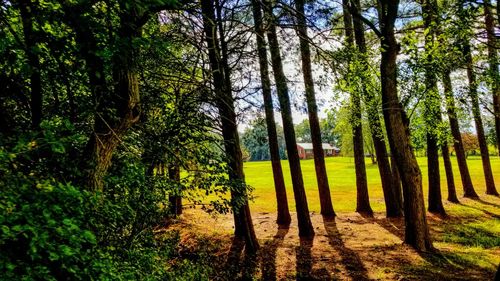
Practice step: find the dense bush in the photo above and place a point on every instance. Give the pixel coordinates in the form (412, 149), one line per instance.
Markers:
(52, 229)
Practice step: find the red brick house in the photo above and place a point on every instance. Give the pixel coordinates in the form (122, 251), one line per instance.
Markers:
(306, 150)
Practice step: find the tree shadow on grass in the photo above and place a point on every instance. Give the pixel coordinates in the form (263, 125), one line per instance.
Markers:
(396, 226)
(239, 265)
(493, 215)
(470, 235)
(441, 265)
(446, 266)
(268, 254)
(350, 259)
(487, 203)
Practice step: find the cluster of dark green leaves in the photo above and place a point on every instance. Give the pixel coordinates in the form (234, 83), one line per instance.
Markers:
(255, 141)
(51, 229)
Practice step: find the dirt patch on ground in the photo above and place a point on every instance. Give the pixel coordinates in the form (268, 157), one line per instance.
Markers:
(351, 247)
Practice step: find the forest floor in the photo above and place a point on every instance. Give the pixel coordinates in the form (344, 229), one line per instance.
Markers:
(351, 247)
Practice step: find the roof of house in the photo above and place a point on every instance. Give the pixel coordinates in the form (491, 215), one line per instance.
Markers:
(308, 145)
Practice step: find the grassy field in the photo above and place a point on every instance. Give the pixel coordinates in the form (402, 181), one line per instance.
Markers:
(341, 176)
(468, 239)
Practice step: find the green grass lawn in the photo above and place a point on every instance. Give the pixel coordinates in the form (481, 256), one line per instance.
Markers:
(468, 238)
(341, 177)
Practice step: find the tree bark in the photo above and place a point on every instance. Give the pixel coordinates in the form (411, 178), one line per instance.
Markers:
(312, 109)
(225, 104)
(174, 174)
(493, 47)
(432, 110)
(452, 192)
(362, 196)
(117, 110)
(390, 182)
(468, 187)
(303, 217)
(36, 101)
(476, 112)
(279, 182)
(416, 229)
(396, 183)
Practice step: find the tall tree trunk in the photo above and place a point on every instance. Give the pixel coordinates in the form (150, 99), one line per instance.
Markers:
(452, 192)
(476, 112)
(416, 229)
(303, 217)
(279, 183)
(396, 182)
(362, 197)
(493, 47)
(432, 109)
(174, 175)
(457, 138)
(117, 110)
(390, 187)
(36, 101)
(225, 104)
(312, 109)
(435, 203)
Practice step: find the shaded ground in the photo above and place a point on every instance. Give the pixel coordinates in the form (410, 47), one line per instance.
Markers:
(351, 247)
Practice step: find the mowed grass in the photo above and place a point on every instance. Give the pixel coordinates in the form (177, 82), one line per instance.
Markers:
(468, 239)
(342, 180)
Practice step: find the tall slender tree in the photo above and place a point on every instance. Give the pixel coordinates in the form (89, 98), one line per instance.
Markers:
(432, 108)
(303, 217)
(467, 185)
(476, 112)
(450, 180)
(175, 200)
(312, 110)
(117, 107)
(493, 47)
(36, 100)
(416, 229)
(283, 217)
(217, 54)
(362, 197)
(390, 182)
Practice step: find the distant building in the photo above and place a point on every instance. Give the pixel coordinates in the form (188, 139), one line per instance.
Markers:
(306, 150)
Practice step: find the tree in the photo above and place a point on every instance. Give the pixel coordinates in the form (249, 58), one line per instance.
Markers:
(476, 111)
(303, 217)
(217, 53)
(328, 124)
(458, 144)
(303, 131)
(416, 229)
(450, 181)
(118, 106)
(390, 182)
(432, 108)
(470, 142)
(27, 10)
(279, 182)
(312, 110)
(493, 62)
(362, 198)
(255, 140)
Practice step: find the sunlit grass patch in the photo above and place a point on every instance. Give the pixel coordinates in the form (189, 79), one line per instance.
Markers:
(485, 234)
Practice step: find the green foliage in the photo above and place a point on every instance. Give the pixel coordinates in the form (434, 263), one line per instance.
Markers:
(327, 126)
(51, 229)
(255, 140)
(45, 231)
(343, 128)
